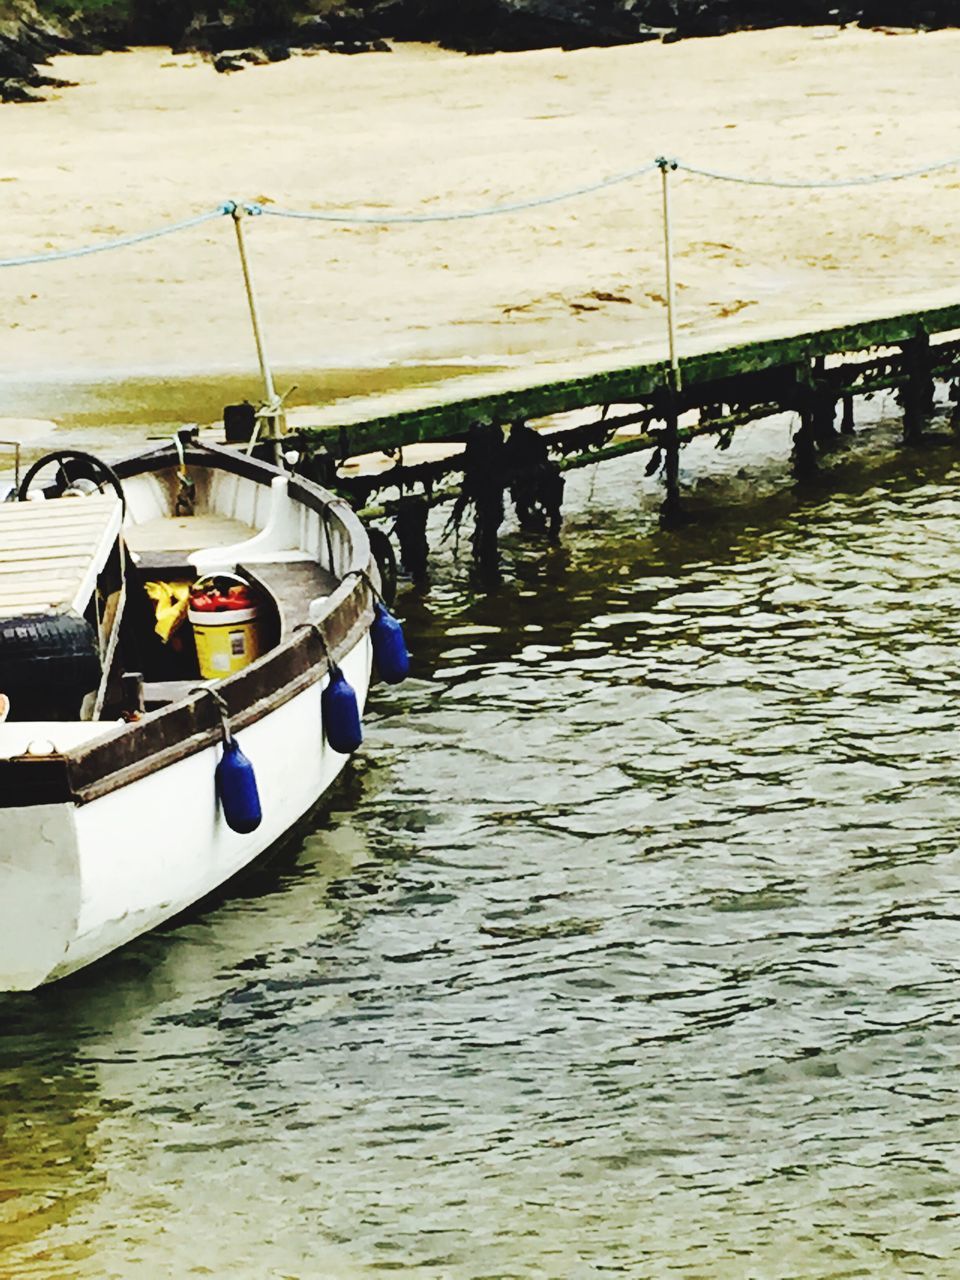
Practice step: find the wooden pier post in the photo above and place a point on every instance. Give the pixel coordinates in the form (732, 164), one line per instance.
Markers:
(805, 463)
(847, 425)
(667, 407)
(411, 530)
(671, 510)
(823, 409)
(955, 410)
(917, 394)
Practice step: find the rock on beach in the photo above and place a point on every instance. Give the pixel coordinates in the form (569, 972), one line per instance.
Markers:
(233, 38)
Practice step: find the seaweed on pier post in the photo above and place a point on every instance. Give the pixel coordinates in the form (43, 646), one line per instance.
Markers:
(535, 482)
(955, 410)
(671, 510)
(806, 465)
(712, 412)
(823, 410)
(316, 462)
(847, 424)
(383, 554)
(411, 530)
(483, 485)
(918, 390)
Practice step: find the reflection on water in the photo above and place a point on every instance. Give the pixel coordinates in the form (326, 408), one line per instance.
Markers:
(629, 947)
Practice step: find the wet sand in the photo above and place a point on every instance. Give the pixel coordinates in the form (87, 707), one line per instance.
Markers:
(146, 138)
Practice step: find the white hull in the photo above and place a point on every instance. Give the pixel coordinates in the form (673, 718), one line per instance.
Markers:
(82, 880)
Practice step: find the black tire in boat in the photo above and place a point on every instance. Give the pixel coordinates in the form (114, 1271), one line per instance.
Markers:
(48, 664)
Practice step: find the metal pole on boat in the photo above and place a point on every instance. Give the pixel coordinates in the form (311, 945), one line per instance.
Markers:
(666, 166)
(238, 214)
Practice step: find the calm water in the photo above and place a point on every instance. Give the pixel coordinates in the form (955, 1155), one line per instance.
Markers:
(629, 946)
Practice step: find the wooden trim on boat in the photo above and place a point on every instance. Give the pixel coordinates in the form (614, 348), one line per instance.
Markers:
(229, 460)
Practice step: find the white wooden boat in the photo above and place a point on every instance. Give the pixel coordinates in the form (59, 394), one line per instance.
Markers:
(110, 821)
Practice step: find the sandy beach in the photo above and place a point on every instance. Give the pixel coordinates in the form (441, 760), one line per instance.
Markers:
(147, 138)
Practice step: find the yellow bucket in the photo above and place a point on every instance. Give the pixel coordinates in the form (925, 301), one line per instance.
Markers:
(226, 642)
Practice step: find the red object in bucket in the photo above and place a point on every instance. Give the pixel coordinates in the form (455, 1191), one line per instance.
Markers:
(209, 597)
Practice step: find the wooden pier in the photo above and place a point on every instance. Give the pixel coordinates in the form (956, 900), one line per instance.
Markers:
(713, 392)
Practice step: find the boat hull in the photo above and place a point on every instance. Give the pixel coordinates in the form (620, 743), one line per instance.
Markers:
(81, 880)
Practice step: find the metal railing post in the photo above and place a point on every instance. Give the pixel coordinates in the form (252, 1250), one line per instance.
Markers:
(666, 166)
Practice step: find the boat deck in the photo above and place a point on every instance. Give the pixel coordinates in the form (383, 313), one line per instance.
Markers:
(185, 533)
(51, 552)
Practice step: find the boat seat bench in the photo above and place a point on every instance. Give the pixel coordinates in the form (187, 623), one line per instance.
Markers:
(294, 584)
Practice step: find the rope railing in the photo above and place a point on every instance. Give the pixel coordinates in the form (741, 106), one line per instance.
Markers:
(257, 209)
(452, 215)
(121, 242)
(866, 180)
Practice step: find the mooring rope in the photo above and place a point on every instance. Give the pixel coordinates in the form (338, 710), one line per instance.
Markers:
(866, 180)
(122, 242)
(457, 215)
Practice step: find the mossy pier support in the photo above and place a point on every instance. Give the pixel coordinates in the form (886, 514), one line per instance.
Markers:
(918, 388)
(671, 511)
(806, 464)
(848, 421)
(656, 406)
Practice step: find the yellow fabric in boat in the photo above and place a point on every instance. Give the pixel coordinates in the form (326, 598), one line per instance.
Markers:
(170, 600)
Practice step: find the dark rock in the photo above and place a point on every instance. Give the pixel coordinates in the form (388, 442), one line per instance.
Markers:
(27, 42)
(487, 26)
(227, 31)
(15, 64)
(277, 51)
(312, 31)
(53, 82)
(358, 46)
(226, 62)
(343, 30)
(337, 26)
(484, 26)
(202, 36)
(18, 91)
(235, 34)
(252, 57)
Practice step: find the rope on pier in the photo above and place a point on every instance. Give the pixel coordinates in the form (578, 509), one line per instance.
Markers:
(122, 242)
(460, 215)
(867, 180)
(517, 206)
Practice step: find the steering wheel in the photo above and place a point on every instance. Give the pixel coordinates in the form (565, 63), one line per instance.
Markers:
(88, 467)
